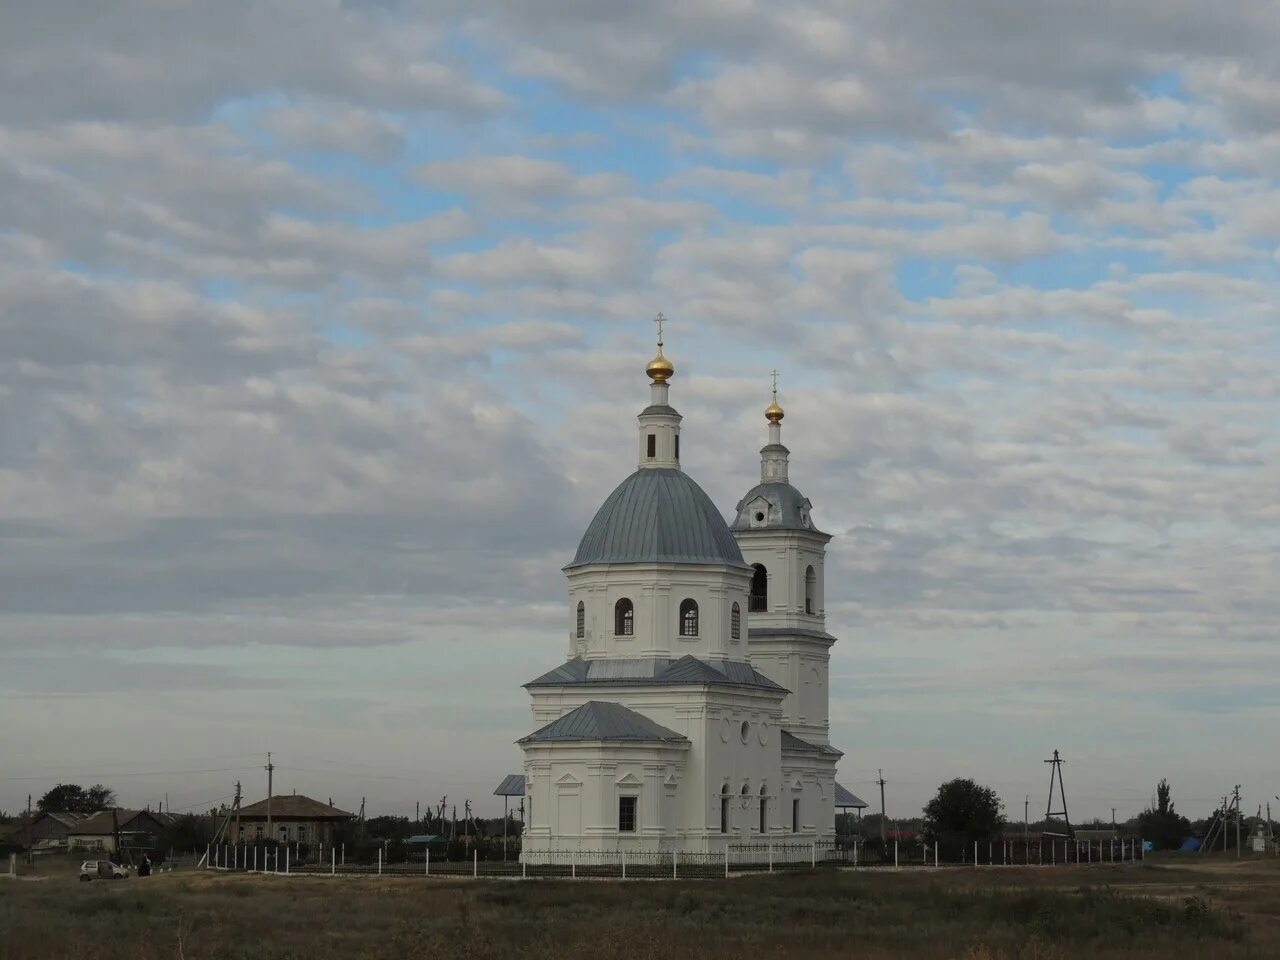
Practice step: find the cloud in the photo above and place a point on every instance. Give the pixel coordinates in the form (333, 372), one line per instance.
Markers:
(323, 332)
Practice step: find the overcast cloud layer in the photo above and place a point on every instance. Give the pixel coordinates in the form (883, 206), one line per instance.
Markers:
(321, 337)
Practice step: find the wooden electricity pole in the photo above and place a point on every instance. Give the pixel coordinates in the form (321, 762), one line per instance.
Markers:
(884, 837)
(270, 768)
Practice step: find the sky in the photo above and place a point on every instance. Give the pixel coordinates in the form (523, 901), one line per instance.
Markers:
(322, 330)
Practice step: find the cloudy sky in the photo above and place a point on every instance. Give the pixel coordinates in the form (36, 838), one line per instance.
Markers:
(321, 336)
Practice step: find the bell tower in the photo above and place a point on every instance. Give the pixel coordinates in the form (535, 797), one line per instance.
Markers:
(787, 635)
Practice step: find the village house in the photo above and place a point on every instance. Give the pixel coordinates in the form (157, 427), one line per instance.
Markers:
(294, 819)
(135, 828)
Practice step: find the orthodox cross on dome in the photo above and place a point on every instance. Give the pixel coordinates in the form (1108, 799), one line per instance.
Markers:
(659, 320)
(773, 413)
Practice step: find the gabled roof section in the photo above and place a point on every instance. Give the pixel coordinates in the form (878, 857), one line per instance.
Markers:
(297, 806)
(656, 671)
(793, 744)
(601, 720)
(102, 824)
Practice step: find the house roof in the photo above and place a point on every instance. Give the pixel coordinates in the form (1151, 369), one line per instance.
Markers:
(103, 824)
(295, 806)
(601, 720)
(658, 515)
(656, 671)
(793, 744)
(848, 800)
(512, 785)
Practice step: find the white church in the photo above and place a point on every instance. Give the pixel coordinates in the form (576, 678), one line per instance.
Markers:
(691, 712)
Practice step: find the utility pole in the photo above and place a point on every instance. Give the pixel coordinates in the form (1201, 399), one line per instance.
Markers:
(1026, 817)
(417, 811)
(1055, 772)
(237, 809)
(270, 768)
(1113, 821)
(884, 838)
(1238, 819)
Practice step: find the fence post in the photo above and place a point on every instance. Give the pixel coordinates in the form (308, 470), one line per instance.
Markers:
(524, 864)
(771, 858)
(333, 862)
(935, 853)
(1142, 849)
(675, 856)
(379, 861)
(895, 853)
(344, 853)
(573, 865)
(427, 868)
(991, 852)
(475, 862)
(726, 861)
(624, 864)
(286, 859)
(975, 854)
(813, 855)
(855, 853)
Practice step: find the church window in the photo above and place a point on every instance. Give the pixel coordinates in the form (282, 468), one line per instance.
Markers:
(735, 622)
(652, 449)
(759, 588)
(688, 618)
(624, 618)
(745, 733)
(764, 811)
(582, 620)
(759, 516)
(627, 814)
(724, 809)
(795, 816)
(677, 446)
(810, 585)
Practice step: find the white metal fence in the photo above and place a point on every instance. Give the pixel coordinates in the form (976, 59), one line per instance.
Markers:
(735, 859)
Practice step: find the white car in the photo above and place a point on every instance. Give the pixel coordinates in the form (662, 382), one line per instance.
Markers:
(102, 870)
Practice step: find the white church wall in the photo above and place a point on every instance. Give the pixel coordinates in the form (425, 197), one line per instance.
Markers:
(656, 593)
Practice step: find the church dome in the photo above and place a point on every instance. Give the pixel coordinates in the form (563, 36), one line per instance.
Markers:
(774, 505)
(658, 516)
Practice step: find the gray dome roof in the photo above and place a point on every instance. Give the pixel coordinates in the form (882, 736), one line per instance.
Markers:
(658, 516)
(784, 508)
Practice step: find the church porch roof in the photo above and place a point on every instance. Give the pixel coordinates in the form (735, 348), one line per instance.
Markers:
(601, 720)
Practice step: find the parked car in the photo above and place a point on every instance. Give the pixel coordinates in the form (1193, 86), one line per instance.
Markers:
(102, 870)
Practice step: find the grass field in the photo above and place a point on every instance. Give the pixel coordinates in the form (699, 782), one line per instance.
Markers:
(1219, 910)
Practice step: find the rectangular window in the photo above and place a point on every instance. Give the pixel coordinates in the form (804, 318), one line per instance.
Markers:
(302, 834)
(677, 446)
(626, 814)
(795, 816)
(724, 814)
(653, 446)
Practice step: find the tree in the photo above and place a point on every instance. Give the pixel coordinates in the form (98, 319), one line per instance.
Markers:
(1161, 824)
(73, 798)
(962, 812)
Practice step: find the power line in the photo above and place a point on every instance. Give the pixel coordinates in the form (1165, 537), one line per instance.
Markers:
(119, 775)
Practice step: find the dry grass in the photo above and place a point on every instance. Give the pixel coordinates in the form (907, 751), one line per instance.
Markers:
(1135, 912)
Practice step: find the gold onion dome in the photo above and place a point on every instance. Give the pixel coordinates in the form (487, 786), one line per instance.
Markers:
(660, 369)
(773, 413)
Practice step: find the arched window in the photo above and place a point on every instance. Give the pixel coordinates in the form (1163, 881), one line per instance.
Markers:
(624, 618)
(688, 618)
(582, 620)
(759, 588)
(764, 810)
(735, 622)
(810, 586)
(724, 809)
